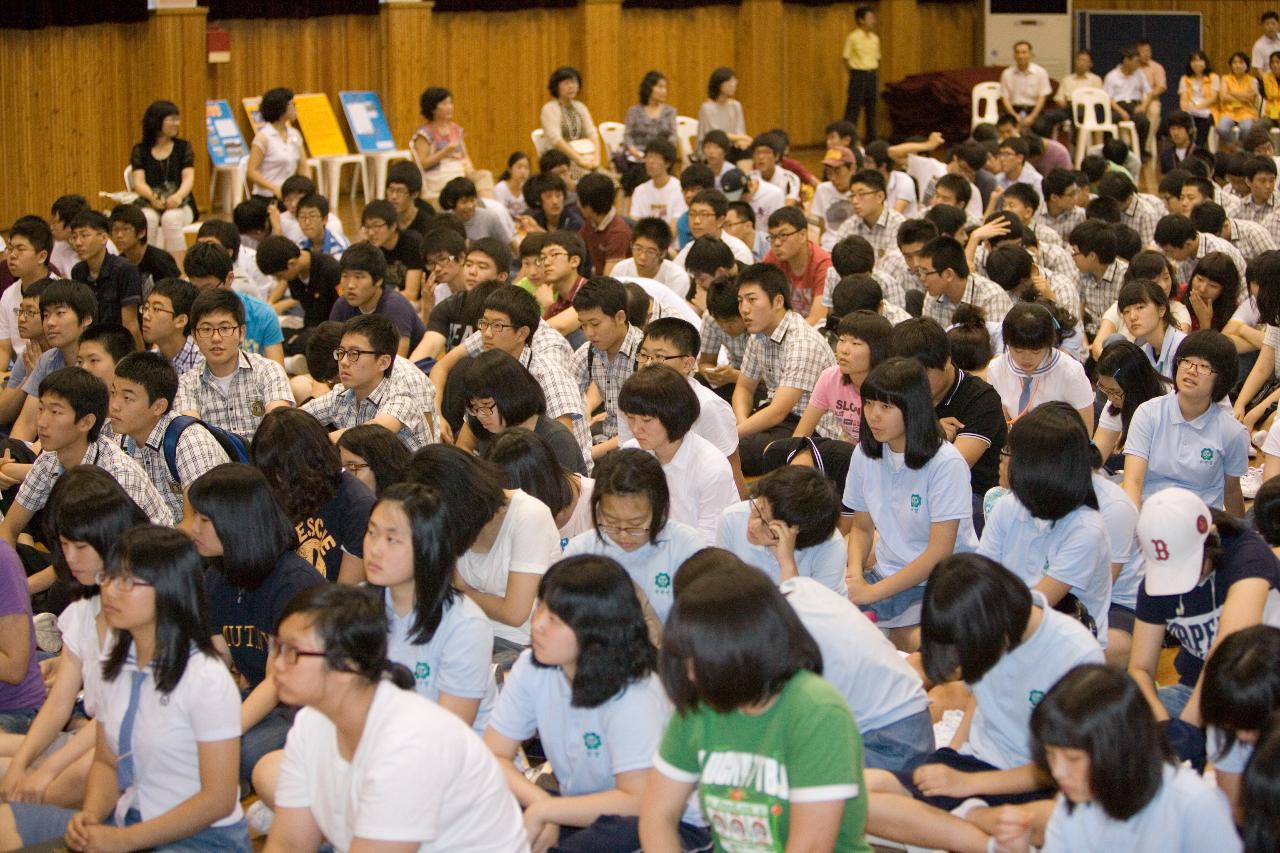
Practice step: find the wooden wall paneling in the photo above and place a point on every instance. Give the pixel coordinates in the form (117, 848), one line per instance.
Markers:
(408, 55)
(760, 45)
(600, 31)
(177, 72)
(814, 79)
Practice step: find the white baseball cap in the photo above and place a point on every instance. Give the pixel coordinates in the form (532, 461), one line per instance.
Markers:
(1171, 530)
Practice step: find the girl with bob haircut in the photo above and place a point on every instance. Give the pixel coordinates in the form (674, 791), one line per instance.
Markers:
(328, 507)
(248, 545)
(588, 688)
(1241, 690)
(374, 455)
(504, 539)
(87, 513)
(983, 626)
(1127, 378)
(168, 723)
(1207, 577)
(629, 505)
(1144, 306)
(531, 465)
(660, 408)
(510, 186)
(500, 393)
(1121, 788)
(744, 675)
(722, 111)
(1214, 291)
(1151, 265)
(1032, 370)
(910, 486)
(1048, 530)
(435, 632)
(1260, 792)
(1186, 439)
(364, 729)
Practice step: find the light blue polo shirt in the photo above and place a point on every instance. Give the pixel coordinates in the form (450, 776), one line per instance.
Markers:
(1073, 550)
(824, 562)
(905, 503)
(456, 660)
(652, 566)
(587, 747)
(1000, 733)
(1193, 455)
(261, 325)
(1121, 518)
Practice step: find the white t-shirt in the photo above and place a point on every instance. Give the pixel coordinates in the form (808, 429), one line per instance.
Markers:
(1247, 312)
(290, 228)
(828, 199)
(455, 660)
(1121, 518)
(701, 485)
(1064, 380)
(1188, 814)
(249, 277)
(280, 154)
(10, 301)
(668, 297)
(715, 422)
(528, 542)
(204, 707)
(859, 661)
(741, 251)
(765, 200)
(418, 774)
(665, 203)
(79, 627)
(669, 274)
(901, 187)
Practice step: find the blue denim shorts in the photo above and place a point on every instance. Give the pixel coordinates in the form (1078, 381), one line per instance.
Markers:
(899, 745)
(897, 611)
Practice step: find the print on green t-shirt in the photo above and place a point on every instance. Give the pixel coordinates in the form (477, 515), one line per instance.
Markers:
(751, 768)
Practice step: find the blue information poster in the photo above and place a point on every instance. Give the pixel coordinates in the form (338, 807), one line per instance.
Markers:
(226, 145)
(367, 121)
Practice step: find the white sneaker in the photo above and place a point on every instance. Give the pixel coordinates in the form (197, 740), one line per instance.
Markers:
(1251, 482)
(259, 816)
(48, 635)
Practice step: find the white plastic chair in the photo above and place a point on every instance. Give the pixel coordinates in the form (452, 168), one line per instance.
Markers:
(539, 142)
(378, 161)
(612, 134)
(686, 136)
(985, 104)
(332, 168)
(1086, 103)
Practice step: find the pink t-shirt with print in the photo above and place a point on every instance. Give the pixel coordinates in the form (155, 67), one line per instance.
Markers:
(842, 399)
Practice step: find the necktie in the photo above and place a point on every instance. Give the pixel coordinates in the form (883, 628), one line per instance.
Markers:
(124, 761)
(1025, 399)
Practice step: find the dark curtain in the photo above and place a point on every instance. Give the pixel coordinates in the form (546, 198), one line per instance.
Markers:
(220, 10)
(501, 5)
(35, 14)
(677, 4)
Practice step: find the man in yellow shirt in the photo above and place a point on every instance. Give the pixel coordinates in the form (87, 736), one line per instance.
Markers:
(862, 55)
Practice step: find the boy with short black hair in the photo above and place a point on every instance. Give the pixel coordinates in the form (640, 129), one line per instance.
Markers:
(651, 238)
(252, 222)
(487, 260)
(234, 389)
(404, 185)
(460, 197)
(722, 326)
(368, 390)
(294, 189)
(402, 249)
(311, 276)
(30, 241)
(313, 211)
(141, 411)
(129, 231)
(249, 277)
(66, 310)
(564, 259)
(660, 196)
(715, 153)
(872, 219)
(804, 261)
(62, 258)
(115, 281)
(444, 250)
(100, 347)
(608, 358)
(766, 156)
(209, 267)
(164, 323)
(1059, 211)
(31, 332)
(364, 270)
(694, 178)
(607, 235)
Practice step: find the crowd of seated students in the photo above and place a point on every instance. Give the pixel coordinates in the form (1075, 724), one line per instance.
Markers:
(616, 505)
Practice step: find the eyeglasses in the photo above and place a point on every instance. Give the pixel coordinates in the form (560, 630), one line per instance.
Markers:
(775, 239)
(548, 257)
(758, 515)
(863, 193)
(702, 214)
(644, 251)
(352, 354)
(27, 312)
(226, 330)
(289, 655)
(1199, 368)
(155, 309)
(924, 273)
(627, 532)
(646, 358)
(477, 410)
(310, 217)
(125, 583)
(498, 327)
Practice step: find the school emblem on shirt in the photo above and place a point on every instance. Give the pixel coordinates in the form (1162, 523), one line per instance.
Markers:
(1034, 697)
(1207, 454)
(257, 409)
(591, 741)
(916, 500)
(422, 671)
(662, 581)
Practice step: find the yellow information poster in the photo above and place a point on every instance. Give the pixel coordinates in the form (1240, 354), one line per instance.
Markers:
(319, 126)
(251, 111)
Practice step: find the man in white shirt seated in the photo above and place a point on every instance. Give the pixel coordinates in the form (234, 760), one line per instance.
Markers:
(1129, 91)
(1024, 87)
(1267, 43)
(660, 196)
(766, 157)
(1081, 77)
(650, 239)
(832, 203)
(707, 211)
(1015, 168)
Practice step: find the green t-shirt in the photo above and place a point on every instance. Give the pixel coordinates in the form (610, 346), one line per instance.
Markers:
(749, 769)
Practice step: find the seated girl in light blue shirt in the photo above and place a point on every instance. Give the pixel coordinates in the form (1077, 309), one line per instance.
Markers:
(589, 690)
(910, 486)
(1185, 439)
(434, 631)
(629, 504)
(1048, 530)
(1120, 787)
(1144, 307)
(788, 528)
(982, 625)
